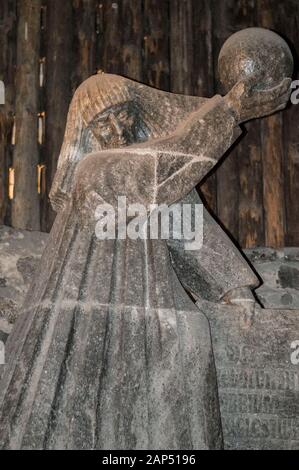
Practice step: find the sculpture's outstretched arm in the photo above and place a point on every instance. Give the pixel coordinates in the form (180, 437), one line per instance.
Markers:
(186, 157)
(162, 170)
(165, 170)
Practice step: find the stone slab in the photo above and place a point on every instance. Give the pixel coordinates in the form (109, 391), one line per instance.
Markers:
(258, 376)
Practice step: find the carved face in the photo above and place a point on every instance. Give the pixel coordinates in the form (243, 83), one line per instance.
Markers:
(119, 126)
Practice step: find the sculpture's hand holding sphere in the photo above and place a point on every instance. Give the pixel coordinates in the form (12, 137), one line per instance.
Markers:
(254, 69)
(254, 52)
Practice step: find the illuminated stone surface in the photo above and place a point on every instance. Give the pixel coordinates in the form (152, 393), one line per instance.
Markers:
(110, 352)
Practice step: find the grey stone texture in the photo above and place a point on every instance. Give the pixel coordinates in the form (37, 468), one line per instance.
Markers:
(279, 271)
(245, 53)
(257, 362)
(110, 350)
(20, 252)
(248, 399)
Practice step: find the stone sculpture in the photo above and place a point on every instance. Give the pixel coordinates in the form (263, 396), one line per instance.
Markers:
(110, 351)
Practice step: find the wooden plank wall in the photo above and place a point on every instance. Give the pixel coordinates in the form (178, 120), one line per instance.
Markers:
(8, 32)
(169, 44)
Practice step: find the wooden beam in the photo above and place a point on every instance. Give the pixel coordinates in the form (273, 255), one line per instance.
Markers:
(191, 59)
(131, 14)
(85, 37)
(122, 45)
(8, 25)
(25, 205)
(239, 178)
(60, 53)
(272, 151)
(287, 24)
(227, 172)
(202, 74)
(181, 46)
(156, 67)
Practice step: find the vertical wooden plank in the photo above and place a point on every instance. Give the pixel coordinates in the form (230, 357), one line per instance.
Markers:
(250, 212)
(156, 67)
(191, 53)
(249, 155)
(122, 37)
(290, 140)
(3, 163)
(59, 65)
(99, 50)
(25, 206)
(202, 73)
(239, 178)
(85, 13)
(8, 28)
(42, 108)
(181, 46)
(227, 172)
(272, 151)
(273, 181)
(191, 59)
(111, 36)
(131, 13)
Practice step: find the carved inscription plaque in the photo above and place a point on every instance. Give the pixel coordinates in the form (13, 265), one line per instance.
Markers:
(257, 362)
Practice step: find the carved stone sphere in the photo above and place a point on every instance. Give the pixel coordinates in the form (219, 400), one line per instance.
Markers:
(258, 52)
